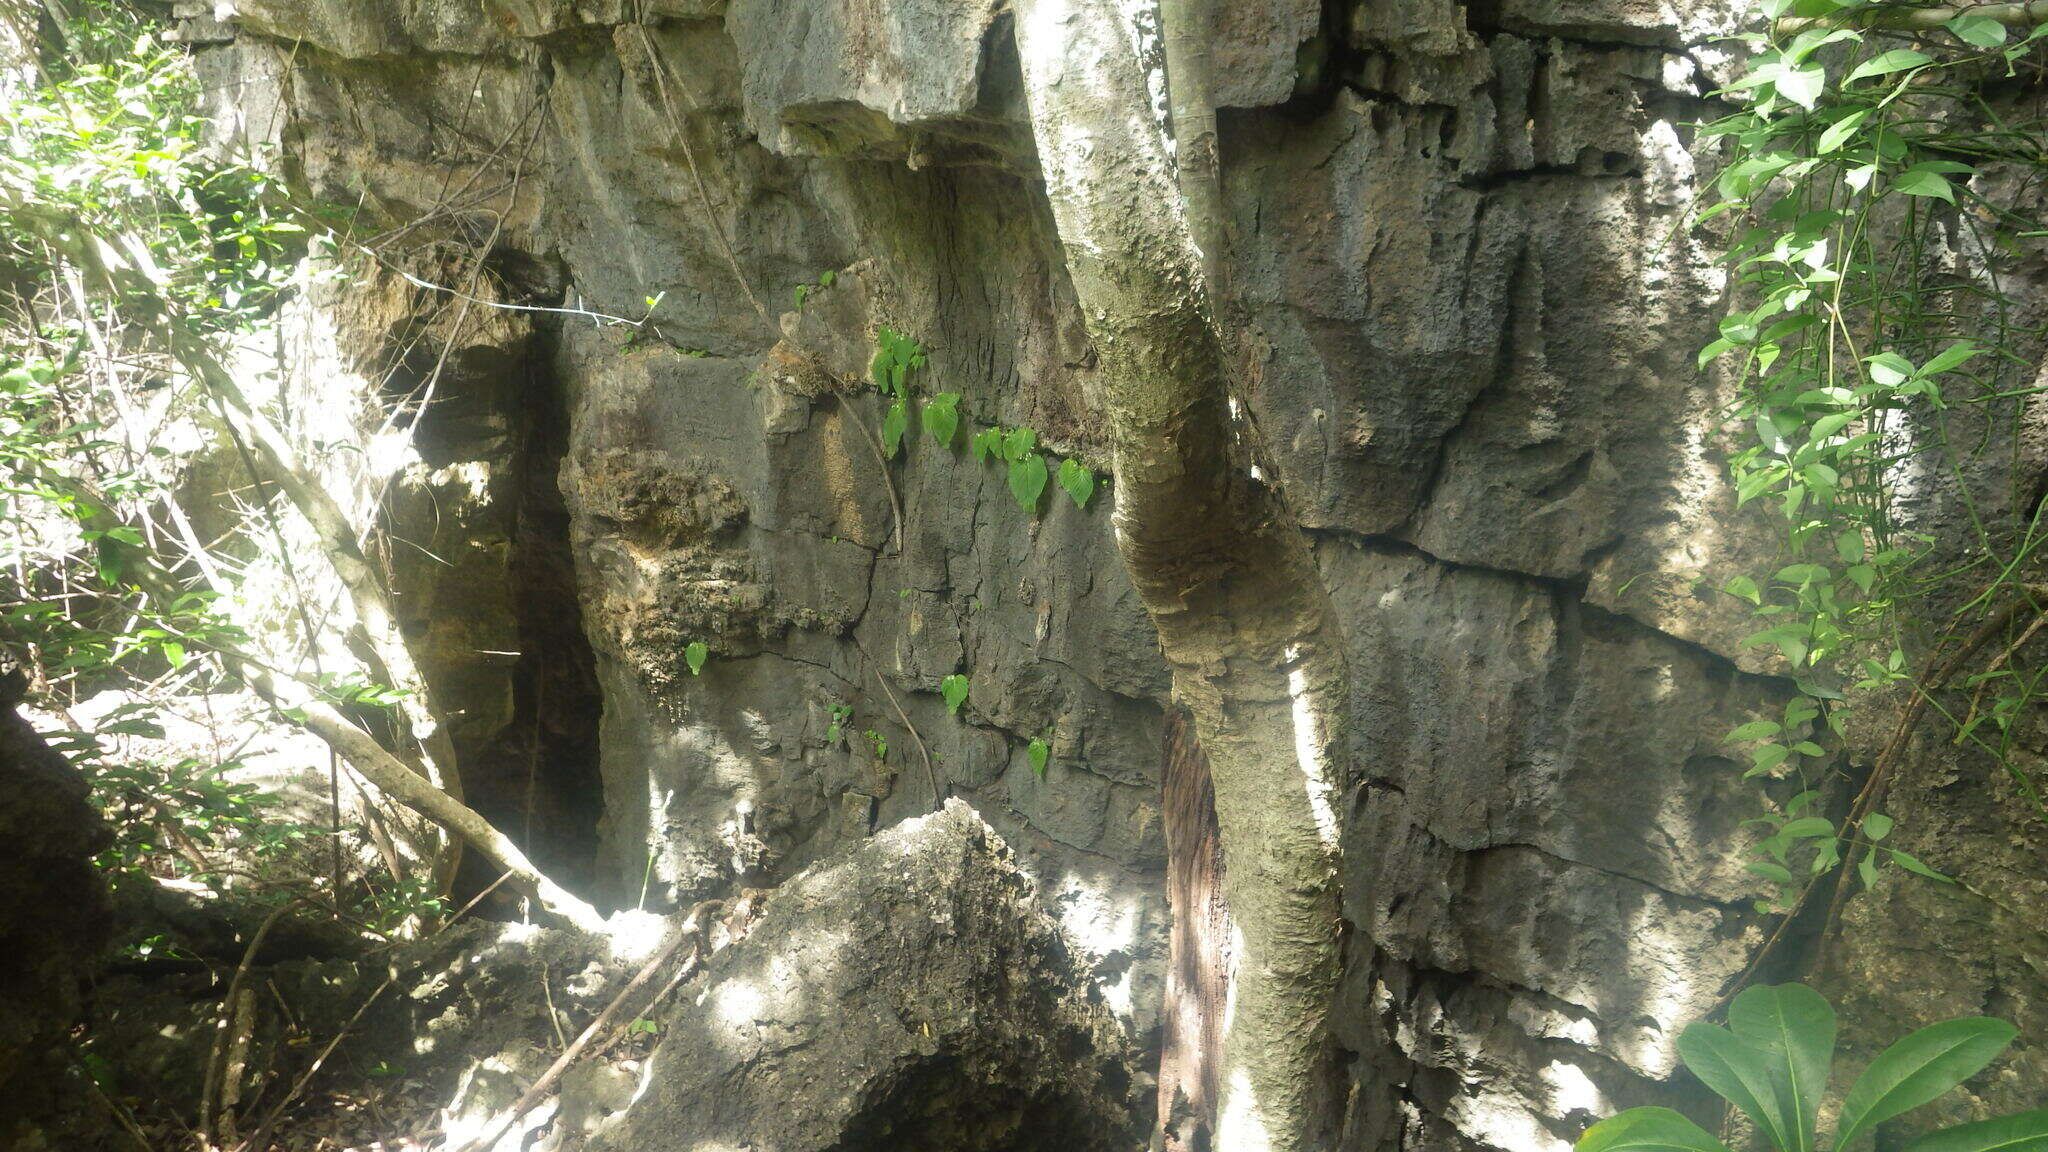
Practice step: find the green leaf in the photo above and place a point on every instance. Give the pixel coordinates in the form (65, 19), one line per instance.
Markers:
(1019, 442)
(1793, 1026)
(1765, 758)
(1736, 1071)
(1913, 864)
(1919, 1068)
(941, 418)
(1950, 357)
(1808, 827)
(1041, 754)
(695, 655)
(1867, 869)
(1920, 180)
(1979, 29)
(1877, 825)
(894, 424)
(1754, 730)
(1744, 587)
(1078, 481)
(1886, 63)
(988, 442)
(1828, 425)
(1769, 871)
(954, 689)
(2023, 1132)
(1649, 1130)
(1802, 86)
(1841, 130)
(1027, 481)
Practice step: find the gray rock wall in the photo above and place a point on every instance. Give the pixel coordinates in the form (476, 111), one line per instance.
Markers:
(1468, 312)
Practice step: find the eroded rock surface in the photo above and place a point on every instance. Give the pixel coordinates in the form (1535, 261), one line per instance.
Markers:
(910, 995)
(1468, 308)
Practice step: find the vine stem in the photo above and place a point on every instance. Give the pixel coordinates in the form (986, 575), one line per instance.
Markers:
(1874, 789)
(930, 773)
(874, 444)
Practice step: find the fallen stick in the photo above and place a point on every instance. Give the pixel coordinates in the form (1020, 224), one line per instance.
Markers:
(605, 1019)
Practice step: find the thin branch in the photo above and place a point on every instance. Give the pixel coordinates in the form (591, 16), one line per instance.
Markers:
(546, 1083)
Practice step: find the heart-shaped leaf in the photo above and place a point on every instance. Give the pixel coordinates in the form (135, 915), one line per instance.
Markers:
(1078, 481)
(1041, 754)
(1027, 481)
(1919, 1068)
(695, 655)
(941, 417)
(1018, 443)
(988, 442)
(954, 689)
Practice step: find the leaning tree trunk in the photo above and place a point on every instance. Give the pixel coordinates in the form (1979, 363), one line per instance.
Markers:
(1221, 567)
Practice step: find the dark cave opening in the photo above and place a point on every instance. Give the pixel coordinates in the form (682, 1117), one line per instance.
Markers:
(545, 790)
(954, 1102)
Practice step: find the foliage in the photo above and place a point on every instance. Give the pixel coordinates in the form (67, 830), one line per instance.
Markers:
(1774, 1061)
(103, 586)
(897, 357)
(1845, 164)
(954, 689)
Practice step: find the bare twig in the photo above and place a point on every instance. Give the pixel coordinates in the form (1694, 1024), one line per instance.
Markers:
(546, 1083)
(874, 443)
(931, 774)
(262, 1135)
(210, 1089)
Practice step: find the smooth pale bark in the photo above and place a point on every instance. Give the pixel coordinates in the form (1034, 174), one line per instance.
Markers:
(1188, 27)
(1223, 570)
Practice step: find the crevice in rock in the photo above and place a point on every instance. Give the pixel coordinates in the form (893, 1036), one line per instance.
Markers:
(1569, 588)
(537, 777)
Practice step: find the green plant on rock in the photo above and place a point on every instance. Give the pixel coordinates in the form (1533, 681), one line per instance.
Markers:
(896, 357)
(1774, 1062)
(1844, 157)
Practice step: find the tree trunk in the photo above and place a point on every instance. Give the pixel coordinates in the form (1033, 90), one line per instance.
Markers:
(1219, 564)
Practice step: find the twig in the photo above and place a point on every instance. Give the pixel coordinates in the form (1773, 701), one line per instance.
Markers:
(210, 1089)
(931, 774)
(677, 127)
(881, 458)
(546, 1083)
(262, 1135)
(1874, 787)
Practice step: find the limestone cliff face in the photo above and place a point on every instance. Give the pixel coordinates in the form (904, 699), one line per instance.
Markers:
(1467, 309)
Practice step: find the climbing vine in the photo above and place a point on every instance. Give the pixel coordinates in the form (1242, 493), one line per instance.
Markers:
(896, 357)
(1854, 170)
